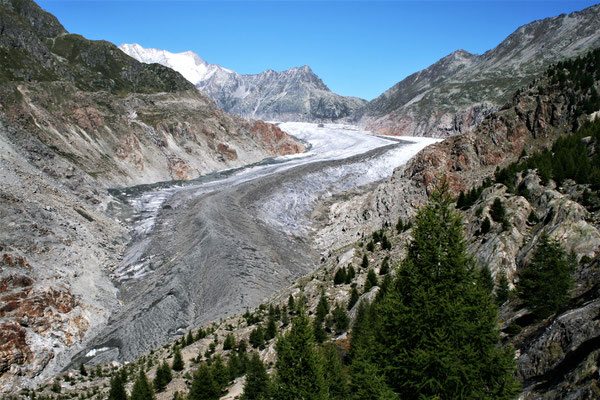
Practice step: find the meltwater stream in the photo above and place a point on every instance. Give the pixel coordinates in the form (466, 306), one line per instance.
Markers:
(212, 247)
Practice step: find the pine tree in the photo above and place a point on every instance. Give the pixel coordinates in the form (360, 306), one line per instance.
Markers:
(503, 289)
(190, 338)
(285, 318)
(291, 305)
(385, 243)
(497, 210)
(340, 276)
(335, 375)
(367, 382)
(371, 281)
(257, 380)
(141, 388)
(204, 386)
(485, 279)
(371, 246)
(545, 282)
(436, 333)
(257, 338)
(229, 342)
(322, 311)
(178, 360)
(365, 262)
(322, 307)
(350, 274)
(340, 319)
(385, 266)
(163, 377)
(82, 370)
(271, 329)
(485, 226)
(219, 373)
(354, 296)
(117, 388)
(299, 367)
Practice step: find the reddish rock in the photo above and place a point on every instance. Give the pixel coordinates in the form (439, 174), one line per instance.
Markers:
(14, 281)
(228, 153)
(13, 346)
(275, 140)
(14, 262)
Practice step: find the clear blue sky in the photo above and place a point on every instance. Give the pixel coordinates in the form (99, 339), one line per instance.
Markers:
(357, 48)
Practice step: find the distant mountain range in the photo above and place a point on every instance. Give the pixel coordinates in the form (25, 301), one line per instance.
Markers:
(454, 94)
(297, 94)
(449, 97)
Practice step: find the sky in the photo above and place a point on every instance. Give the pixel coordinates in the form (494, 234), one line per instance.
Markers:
(358, 48)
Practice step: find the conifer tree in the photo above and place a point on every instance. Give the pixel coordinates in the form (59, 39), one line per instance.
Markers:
(365, 262)
(385, 266)
(163, 377)
(340, 319)
(117, 388)
(340, 276)
(335, 375)
(299, 367)
(190, 338)
(291, 305)
(204, 386)
(257, 380)
(354, 296)
(485, 226)
(497, 210)
(367, 382)
(322, 311)
(178, 360)
(219, 373)
(229, 342)
(350, 274)
(285, 318)
(545, 282)
(141, 388)
(271, 329)
(436, 334)
(503, 289)
(257, 338)
(82, 370)
(371, 280)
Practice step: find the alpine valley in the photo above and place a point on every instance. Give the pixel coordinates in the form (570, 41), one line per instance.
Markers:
(158, 240)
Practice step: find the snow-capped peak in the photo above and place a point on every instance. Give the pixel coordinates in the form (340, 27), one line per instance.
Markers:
(188, 63)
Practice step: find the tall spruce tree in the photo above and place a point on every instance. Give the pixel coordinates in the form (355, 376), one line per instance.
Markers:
(436, 334)
(141, 388)
(335, 375)
(117, 388)
(178, 360)
(204, 386)
(299, 366)
(163, 377)
(257, 380)
(545, 282)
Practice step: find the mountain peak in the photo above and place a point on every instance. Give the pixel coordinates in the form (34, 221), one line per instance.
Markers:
(189, 64)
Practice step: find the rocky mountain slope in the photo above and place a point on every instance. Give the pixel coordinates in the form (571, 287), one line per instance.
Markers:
(456, 93)
(293, 95)
(77, 117)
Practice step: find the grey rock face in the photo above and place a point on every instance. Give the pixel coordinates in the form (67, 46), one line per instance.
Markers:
(293, 95)
(469, 86)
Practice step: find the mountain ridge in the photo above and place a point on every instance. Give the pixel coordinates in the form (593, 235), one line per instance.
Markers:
(454, 94)
(296, 94)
